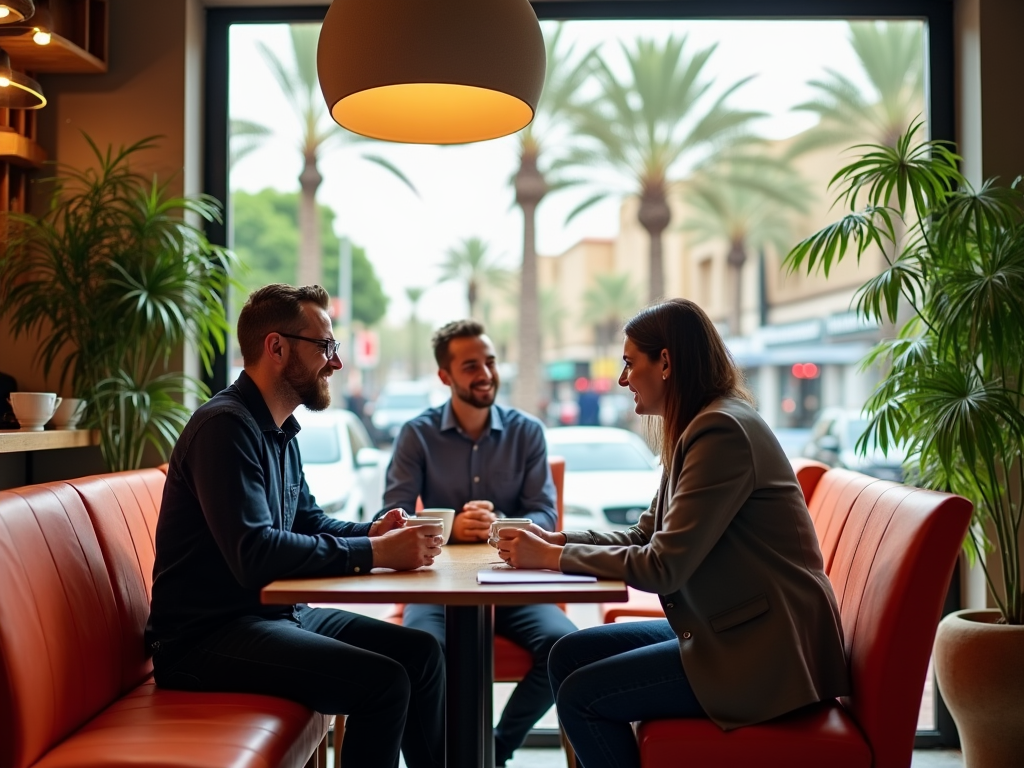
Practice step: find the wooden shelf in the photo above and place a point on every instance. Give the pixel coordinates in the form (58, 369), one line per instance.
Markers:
(17, 442)
(78, 44)
(20, 150)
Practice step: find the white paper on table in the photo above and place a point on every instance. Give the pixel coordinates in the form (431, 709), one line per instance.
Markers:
(518, 576)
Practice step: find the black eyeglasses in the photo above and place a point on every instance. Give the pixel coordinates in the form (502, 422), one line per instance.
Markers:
(329, 347)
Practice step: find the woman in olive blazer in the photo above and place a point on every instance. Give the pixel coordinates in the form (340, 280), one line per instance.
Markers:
(752, 630)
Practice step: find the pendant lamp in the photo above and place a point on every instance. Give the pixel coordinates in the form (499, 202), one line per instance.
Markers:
(431, 71)
(14, 11)
(18, 90)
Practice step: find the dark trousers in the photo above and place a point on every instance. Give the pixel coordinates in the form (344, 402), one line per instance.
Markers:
(389, 680)
(536, 628)
(607, 677)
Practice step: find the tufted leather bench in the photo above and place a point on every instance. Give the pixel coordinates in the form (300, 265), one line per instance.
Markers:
(76, 688)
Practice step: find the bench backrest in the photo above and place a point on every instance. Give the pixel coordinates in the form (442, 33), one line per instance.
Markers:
(61, 641)
(124, 507)
(76, 567)
(893, 559)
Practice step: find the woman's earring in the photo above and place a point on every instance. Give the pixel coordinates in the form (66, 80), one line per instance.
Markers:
(664, 376)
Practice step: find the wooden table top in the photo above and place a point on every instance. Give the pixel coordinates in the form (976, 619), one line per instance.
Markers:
(451, 580)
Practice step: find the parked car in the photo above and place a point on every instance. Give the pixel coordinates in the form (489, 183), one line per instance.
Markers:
(833, 441)
(344, 471)
(400, 401)
(611, 476)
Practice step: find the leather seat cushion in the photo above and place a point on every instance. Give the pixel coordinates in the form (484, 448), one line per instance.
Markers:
(511, 661)
(823, 735)
(160, 728)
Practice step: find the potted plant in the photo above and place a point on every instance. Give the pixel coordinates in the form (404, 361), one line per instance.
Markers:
(951, 392)
(114, 277)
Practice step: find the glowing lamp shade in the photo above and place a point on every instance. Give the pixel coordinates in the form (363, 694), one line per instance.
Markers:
(18, 90)
(431, 71)
(14, 11)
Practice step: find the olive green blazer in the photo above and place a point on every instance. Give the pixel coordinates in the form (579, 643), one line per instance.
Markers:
(730, 548)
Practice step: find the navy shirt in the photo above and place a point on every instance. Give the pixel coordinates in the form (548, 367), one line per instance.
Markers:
(236, 515)
(436, 461)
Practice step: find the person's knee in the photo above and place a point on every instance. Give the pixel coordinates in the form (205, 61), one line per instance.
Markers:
(560, 660)
(573, 694)
(425, 653)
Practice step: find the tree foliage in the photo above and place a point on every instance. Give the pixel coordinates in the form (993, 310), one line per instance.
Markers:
(266, 239)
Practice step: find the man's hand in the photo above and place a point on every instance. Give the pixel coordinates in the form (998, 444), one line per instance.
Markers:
(529, 547)
(407, 548)
(389, 521)
(473, 523)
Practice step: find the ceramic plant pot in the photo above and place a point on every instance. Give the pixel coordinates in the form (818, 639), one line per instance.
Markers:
(979, 665)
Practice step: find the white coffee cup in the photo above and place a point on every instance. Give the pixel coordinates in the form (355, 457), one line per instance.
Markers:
(506, 522)
(445, 514)
(428, 521)
(68, 413)
(33, 409)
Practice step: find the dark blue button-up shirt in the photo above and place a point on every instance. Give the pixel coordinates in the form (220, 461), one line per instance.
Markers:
(236, 515)
(508, 465)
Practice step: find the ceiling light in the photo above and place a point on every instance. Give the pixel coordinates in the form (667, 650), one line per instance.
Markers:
(14, 11)
(18, 90)
(437, 72)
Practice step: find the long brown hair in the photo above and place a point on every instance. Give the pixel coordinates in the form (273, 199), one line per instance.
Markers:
(702, 368)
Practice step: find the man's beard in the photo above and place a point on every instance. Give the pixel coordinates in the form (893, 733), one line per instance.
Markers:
(469, 397)
(313, 391)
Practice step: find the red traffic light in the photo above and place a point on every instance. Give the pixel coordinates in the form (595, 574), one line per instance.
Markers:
(805, 371)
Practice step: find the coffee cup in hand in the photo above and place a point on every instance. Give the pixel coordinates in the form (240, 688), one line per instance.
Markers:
(505, 522)
(445, 514)
(429, 522)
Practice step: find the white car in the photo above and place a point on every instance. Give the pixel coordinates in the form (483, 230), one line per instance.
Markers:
(833, 440)
(400, 401)
(344, 471)
(611, 476)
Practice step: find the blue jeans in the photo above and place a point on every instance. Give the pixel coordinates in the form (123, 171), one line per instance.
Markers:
(536, 628)
(389, 680)
(607, 677)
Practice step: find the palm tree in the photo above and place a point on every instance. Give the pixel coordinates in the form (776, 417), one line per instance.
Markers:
(414, 295)
(552, 314)
(746, 204)
(246, 136)
(533, 182)
(606, 305)
(299, 84)
(647, 126)
(892, 57)
(470, 262)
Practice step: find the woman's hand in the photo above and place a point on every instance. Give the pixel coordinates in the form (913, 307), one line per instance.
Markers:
(529, 547)
(391, 520)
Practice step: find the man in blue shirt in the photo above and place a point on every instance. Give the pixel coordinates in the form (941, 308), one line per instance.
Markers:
(237, 514)
(485, 462)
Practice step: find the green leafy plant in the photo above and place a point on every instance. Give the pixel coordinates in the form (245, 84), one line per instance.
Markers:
(114, 278)
(952, 385)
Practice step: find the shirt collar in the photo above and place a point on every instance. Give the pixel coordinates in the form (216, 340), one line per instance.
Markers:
(448, 420)
(257, 406)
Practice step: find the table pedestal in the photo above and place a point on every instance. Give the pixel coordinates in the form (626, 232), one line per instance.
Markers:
(469, 656)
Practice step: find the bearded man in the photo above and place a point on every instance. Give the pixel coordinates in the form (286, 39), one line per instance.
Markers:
(237, 514)
(484, 461)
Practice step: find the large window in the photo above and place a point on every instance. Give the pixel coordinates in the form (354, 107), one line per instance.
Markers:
(720, 162)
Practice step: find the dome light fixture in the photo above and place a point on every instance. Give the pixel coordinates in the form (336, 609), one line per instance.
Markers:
(15, 11)
(431, 72)
(18, 90)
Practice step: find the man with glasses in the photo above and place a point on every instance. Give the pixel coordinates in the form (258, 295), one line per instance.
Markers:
(237, 514)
